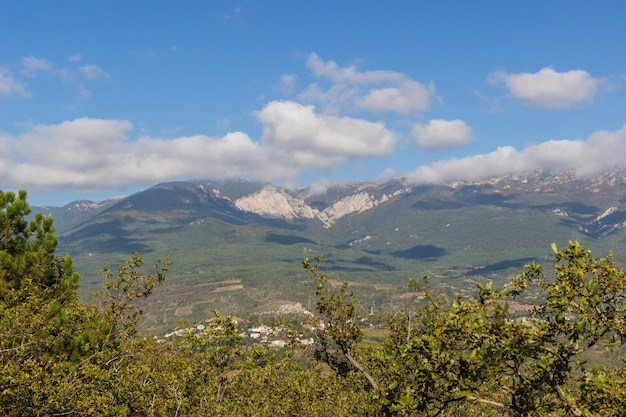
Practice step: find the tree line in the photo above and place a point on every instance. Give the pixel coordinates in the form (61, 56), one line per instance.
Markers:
(61, 356)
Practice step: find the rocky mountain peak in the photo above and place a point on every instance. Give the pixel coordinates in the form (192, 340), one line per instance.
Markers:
(272, 202)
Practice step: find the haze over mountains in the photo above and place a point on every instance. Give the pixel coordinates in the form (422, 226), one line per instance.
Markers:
(237, 245)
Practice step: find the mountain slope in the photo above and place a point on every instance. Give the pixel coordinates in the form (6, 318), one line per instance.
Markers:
(237, 245)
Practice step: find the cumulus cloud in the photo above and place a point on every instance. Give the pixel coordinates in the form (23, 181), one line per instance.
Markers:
(441, 134)
(79, 144)
(548, 88)
(409, 97)
(10, 86)
(94, 154)
(373, 91)
(320, 140)
(599, 152)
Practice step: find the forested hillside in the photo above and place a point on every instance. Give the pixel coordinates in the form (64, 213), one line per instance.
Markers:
(372, 235)
(473, 355)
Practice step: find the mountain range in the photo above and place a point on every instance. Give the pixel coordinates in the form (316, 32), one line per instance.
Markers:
(237, 245)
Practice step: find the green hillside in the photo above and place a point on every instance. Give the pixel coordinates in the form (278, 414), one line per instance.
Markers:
(236, 261)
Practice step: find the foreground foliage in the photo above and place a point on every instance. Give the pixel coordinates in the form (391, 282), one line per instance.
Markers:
(62, 356)
(476, 357)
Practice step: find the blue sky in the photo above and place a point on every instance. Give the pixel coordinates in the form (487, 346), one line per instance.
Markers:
(105, 98)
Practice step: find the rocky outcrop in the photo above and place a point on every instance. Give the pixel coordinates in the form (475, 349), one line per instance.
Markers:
(606, 213)
(276, 203)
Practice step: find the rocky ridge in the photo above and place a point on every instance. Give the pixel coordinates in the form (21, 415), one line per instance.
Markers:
(273, 202)
(546, 181)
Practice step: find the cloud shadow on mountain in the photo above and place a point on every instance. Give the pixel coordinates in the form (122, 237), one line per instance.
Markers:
(108, 236)
(501, 266)
(436, 204)
(420, 252)
(489, 199)
(369, 261)
(572, 208)
(286, 239)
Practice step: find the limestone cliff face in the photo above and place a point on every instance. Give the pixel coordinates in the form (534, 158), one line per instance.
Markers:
(276, 203)
(355, 203)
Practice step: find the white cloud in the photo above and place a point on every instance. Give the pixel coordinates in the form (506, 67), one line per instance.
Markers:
(98, 154)
(93, 72)
(287, 84)
(93, 154)
(548, 88)
(334, 100)
(409, 97)
(322, 186)
(350, 75)
(32, 65)
(319, 140)
(502, 161)
(6, 151)
(600, 152)
(386, 175)
(233, 155)
(441, 134)
(79, 144)
(373, 91)
(10, 86)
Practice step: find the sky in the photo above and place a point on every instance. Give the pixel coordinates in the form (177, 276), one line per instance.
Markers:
(105, 98)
